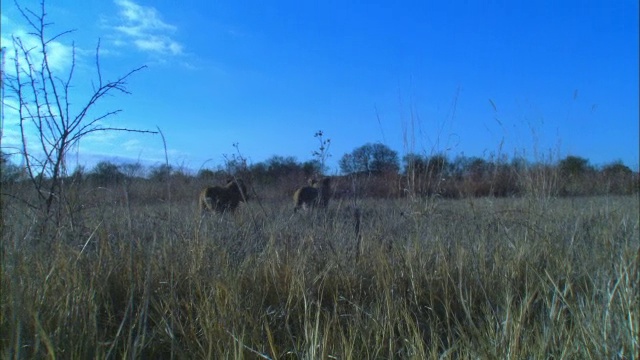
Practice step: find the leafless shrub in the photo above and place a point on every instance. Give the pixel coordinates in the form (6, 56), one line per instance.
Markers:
(49, 128)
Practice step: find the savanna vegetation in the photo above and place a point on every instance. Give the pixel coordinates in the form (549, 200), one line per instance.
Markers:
(129, 268)
(428, 257)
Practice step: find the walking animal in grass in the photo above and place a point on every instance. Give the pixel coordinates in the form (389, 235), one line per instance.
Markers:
(316, 195)
(223, 198)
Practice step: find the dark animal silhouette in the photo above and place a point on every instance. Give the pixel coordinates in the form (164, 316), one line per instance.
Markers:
(223, 198)
(316, 195)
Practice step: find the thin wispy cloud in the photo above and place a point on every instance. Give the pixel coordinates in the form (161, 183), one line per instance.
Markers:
(59, 58)
(143, 27)
(58, 54)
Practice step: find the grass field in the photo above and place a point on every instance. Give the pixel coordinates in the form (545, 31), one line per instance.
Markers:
(425, 278)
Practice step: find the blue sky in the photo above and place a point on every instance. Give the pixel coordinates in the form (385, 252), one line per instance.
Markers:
(540, 79)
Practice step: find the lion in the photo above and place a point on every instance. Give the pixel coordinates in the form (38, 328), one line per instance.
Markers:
(223, 198)
(315, 195)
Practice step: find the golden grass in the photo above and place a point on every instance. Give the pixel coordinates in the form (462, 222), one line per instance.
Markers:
(483, 278)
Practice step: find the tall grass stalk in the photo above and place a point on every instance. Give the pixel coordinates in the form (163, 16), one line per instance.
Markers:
(475, 278)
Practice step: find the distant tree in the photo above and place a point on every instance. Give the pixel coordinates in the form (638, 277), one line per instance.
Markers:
(573, 166)
(458, 167)
(504, 179)
(425, 174)
(278, 166)
(259, 171)
(575, 177)
(437, 166)
(415, 171)
(106, 173)
(275, 168)
(4, 160)
(616, 169)
(132, 170)
(370, 159)
(383, 159)
(206, 174)
(519, 164)
(79, 174)
(235, 165)
(414, 164)
(180, 175)
(478, 168)
(9, 172)
(618, 179)
(160, 173)
(348, 164)
(312, 167)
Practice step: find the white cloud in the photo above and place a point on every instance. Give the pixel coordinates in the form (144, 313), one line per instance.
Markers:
(132, 146)
(157, 44)
(143, 27)
(5, 20)
(59, 58)
(59, 55)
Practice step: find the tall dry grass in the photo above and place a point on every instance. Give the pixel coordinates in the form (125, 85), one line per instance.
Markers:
(530, 277)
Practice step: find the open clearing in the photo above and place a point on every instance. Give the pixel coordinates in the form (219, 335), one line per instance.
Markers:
(424, 278)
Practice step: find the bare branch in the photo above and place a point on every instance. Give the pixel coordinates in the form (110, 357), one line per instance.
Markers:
(44, 106)
(105, 89)
(80, 135)
(58, 35)
(24, 12)
(67, 84)
(99, 71)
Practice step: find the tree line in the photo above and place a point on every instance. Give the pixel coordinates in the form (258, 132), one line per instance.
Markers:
(52, 121)
(382, 173)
